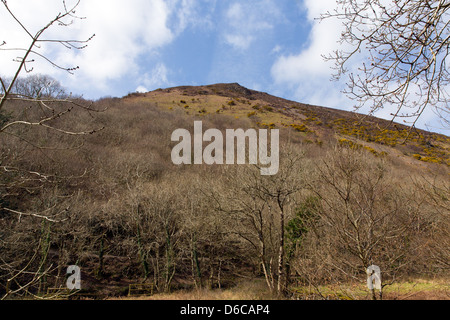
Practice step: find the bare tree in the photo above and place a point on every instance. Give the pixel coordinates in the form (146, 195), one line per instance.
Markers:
(36, 104)
(251, 219)
(36, 117)
(404, 46)
(260, 208)
(367, 218)
(436, 202)
(36, 86)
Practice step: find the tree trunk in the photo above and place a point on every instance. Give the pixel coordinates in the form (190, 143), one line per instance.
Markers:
(267, 274)
(45, 239)
(196, 271)
(280, 288)
(101, 253)
(219, 274)
(170, 266)
(142, 254)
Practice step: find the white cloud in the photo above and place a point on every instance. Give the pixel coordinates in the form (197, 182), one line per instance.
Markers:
(195, 13)
(296, 68)
(141, 89)
(16, 37)
(306, 73)
(244, 21)
(239, 41)
(276, 49)
(154, 79)
(125, 31)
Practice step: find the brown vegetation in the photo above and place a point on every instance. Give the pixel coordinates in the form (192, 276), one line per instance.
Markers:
(115, 205)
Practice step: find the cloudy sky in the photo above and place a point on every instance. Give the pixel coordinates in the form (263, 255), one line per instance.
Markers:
(273, 46)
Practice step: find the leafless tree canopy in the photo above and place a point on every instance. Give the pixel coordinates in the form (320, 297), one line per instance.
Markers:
(36, 115)
(405, 47)
(35, 86)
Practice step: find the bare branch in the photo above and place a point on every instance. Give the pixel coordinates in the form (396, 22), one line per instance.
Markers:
(37, 215)
(404, 46)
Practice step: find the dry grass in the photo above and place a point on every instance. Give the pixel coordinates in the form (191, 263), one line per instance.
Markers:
(412, 289)
(211, 104)
(417, 289)
(246, 290)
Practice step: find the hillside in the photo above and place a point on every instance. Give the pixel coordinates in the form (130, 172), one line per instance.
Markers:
(316, 124)
(351, 191)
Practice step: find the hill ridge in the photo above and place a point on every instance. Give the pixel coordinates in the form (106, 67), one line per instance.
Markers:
(315, 124)
(235, 90)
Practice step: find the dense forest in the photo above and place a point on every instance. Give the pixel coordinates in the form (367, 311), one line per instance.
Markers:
(92, 184)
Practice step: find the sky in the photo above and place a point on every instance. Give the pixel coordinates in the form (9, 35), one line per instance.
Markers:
(274, 46)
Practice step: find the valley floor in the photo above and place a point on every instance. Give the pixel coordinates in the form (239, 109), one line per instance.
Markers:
(414, 289)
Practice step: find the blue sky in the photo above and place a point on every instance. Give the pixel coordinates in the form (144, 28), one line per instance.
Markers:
(240, 43)
(273, 46)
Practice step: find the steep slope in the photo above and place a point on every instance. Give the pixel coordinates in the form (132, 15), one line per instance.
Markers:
(314, 124)
(120, 209)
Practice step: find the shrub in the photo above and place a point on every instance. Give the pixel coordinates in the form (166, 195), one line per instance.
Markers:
(266, 125)
(300, 127)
